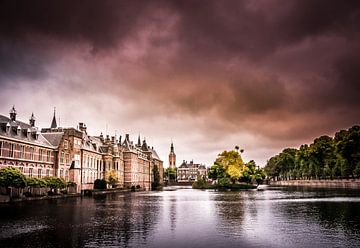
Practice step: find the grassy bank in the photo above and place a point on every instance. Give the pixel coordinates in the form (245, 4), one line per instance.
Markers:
(231, 187)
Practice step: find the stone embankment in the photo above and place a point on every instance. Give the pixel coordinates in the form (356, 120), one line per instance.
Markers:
(336, 183)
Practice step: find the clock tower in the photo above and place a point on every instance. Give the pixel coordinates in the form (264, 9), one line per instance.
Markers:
(172, 157)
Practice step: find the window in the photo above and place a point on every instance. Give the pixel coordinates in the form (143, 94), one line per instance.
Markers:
(30, 172)
(40, 154)
(11, 150)
(47, 172)
(48, 156)
(67, 158)
(22, 151)
(1, 145)
(65, 144)
(39, 173)
(32, 153)
(62, 157)
(61, 173)
(66, 175)
(77, 160)
(21, 169)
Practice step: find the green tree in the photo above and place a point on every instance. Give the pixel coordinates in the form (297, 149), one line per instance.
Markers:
(171, 173)
(347, 145)
(216, 171)
(12, 177)
(55, 183)
(156, 175)
(100, 184)
(36, 182)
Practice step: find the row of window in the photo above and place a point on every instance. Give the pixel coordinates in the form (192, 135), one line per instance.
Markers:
(40, 172)
(13, 150)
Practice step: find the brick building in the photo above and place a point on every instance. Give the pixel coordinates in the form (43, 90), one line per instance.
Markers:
(189, 172)
(72, 154)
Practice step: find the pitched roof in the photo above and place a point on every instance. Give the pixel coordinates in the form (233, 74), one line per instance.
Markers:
(54, 138)
(21, 131)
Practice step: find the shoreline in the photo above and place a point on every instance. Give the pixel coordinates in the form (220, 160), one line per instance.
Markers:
(5, 199)
(324, 183)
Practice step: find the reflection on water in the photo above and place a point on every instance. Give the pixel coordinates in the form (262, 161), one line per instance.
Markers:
(276, 217)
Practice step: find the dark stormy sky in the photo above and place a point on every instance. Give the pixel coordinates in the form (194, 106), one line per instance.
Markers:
(209, 75)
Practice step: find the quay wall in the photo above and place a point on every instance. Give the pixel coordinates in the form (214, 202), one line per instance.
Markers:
(325, 183)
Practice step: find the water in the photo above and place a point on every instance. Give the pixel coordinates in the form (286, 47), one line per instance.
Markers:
(276, 217)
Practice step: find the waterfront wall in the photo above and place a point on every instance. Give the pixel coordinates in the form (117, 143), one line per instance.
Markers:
(343, 183)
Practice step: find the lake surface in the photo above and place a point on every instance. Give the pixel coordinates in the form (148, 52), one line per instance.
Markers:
(276, 217)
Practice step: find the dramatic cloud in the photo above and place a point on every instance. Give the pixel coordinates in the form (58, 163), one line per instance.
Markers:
(208, 74)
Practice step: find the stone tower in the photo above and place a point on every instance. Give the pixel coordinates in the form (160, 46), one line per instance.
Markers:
(172, 157)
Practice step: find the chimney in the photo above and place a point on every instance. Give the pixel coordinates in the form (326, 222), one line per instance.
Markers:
(127, 137)
(120, 140)
(112, 139)
(101, 137)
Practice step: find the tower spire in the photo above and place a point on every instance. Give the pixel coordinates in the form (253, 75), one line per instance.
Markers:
(53, 123)
(32, 120)
(172, 156)
(139, 142)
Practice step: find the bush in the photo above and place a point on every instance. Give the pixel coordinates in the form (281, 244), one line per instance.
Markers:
(36, 182)
(12, 177)
(27, 194)
(55, 182)
(100, 184)
(71, 184)
(223, 182)
(200, 184)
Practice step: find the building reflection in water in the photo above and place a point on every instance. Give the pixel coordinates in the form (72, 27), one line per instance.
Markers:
(115, 220)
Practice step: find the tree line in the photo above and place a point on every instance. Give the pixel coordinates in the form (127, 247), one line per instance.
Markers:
(14, 178)
(326, 158)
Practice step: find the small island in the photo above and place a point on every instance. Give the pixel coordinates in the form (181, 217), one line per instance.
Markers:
(229, 172)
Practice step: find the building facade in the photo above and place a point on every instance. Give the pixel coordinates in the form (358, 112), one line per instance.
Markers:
(74, 155)
(190, 172)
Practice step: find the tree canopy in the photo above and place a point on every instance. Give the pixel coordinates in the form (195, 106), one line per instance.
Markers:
(229, 166)
(326, 157)
(12, 177)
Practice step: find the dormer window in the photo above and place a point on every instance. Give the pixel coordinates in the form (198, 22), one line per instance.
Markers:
(66, 144)
(8, 127)
(18, 130)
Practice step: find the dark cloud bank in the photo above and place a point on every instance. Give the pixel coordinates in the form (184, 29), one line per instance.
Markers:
(282, 71)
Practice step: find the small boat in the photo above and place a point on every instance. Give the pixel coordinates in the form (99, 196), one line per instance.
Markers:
(261, 187)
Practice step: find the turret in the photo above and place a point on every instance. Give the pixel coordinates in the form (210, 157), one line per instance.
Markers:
(13, 114)
(32, 120)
